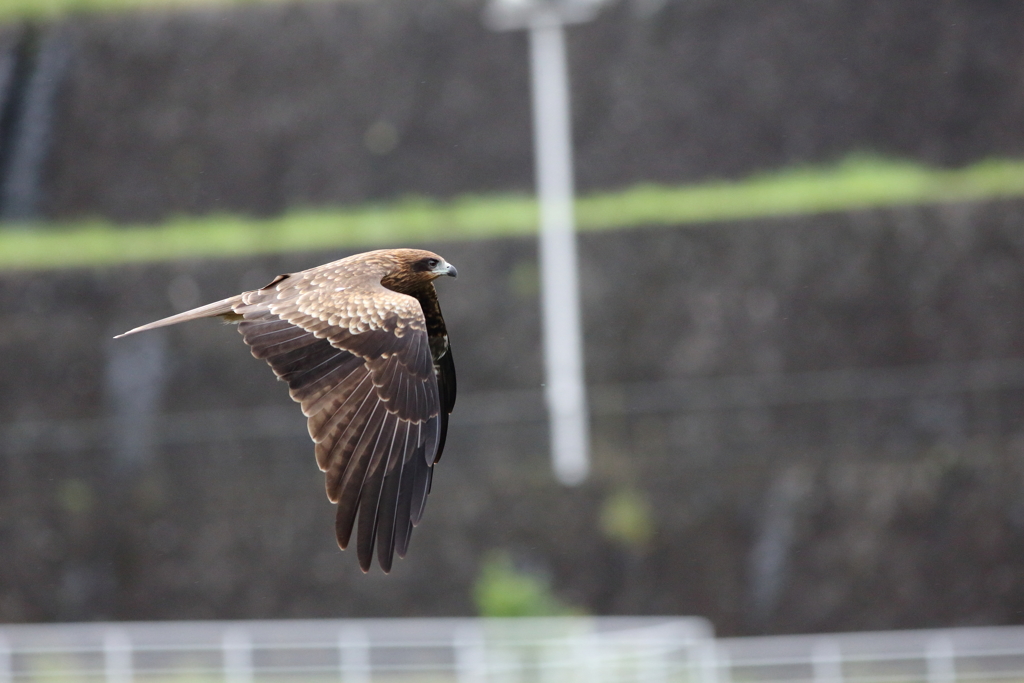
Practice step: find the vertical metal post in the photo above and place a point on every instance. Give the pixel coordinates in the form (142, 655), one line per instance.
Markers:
(354, 654)
(707, 653)
(724, 665)
(6, 661)
(563, 345)
(653, 658)
(470, 654)
(117, 657)
(827, 661)
(236, 646)
(592, 657)
(941, 660)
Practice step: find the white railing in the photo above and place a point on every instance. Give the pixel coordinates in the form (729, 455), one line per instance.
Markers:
(655, 650)
(927, 656)
(591, 650)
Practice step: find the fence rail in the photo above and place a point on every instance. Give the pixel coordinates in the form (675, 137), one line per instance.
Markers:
(356, 651)
(926, 656)
(694, 394)
(599, 650)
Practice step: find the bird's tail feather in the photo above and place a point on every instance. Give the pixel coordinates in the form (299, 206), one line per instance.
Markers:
(224, 308)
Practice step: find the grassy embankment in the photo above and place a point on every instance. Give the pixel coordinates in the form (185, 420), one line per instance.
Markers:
(856, 184)
(13, 10)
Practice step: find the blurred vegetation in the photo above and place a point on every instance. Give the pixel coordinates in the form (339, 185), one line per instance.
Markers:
(44, 9)
(859, 182)
(504, 590)
(627, 518)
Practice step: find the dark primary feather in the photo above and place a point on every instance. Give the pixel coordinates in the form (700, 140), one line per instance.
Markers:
(371, 367)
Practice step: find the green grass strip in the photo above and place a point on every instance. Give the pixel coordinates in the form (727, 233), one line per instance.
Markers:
(13, 10)
(858, 183)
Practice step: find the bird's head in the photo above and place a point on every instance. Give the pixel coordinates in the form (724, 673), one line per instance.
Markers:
(415, 267)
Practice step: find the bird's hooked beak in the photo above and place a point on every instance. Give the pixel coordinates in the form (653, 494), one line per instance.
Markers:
(445, 268)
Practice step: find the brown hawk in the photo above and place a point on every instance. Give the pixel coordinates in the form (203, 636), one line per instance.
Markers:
(364, 349)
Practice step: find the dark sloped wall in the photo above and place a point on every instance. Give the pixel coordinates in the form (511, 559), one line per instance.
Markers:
(822, 414)
(259, 109)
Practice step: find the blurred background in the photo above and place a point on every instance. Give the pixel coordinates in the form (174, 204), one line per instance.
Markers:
(802, 291)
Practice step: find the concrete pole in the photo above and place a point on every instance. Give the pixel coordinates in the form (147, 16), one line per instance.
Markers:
(565, 390)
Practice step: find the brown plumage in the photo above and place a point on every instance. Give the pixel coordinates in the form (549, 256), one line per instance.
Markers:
(364, 350)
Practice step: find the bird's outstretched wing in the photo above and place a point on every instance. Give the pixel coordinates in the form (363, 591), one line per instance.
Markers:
(356, 356)
(371, 367)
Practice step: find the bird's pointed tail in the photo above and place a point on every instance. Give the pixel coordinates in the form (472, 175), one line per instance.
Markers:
(223, 308)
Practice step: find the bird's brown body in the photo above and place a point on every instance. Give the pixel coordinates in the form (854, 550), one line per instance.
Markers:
(364, 349)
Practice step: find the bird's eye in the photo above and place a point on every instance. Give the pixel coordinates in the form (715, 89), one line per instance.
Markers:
(432, 263)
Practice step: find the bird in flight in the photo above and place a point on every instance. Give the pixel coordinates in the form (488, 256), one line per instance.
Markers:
(364, 349)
